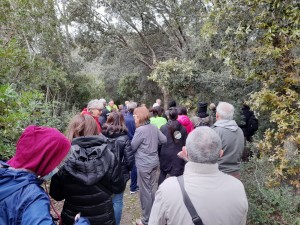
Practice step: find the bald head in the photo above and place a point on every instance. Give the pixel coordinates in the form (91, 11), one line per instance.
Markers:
(203, 145)
(225, 111)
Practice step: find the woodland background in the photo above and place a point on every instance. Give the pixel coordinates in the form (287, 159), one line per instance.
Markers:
(56, 55)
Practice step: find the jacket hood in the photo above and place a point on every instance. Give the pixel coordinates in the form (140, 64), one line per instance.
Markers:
(227, 124)
(184, 120)
(87, 162)
(40, 150)
(11, 180)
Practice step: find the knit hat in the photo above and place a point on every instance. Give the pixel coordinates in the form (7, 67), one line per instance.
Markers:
(202, 109)
(40, 149)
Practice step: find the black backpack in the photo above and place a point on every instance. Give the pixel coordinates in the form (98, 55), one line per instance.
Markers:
(252, 126)
(111, 146)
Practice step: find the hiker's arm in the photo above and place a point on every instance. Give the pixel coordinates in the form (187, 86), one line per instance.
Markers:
(128, 155)
(137, 139)
(161, 137)
(38, 211)
(117, 179)
(56, 188)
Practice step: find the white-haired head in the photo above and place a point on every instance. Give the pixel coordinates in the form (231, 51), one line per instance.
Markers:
(158, 101)
(203, 145)
(95, 104)
(103, 101)
(225, 111)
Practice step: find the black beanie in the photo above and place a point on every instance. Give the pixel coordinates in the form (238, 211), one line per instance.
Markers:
(202, 110)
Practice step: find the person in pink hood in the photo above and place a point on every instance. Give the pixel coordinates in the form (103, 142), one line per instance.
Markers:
(184, 120)
(39, 154)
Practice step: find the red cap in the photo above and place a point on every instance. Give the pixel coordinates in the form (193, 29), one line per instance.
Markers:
(40, 149)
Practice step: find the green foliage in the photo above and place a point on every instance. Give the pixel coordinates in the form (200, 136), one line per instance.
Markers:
(268, 205)
(86, 88)
(174, 76)
(19, 111)
(264, 47)
(9, 66)
(128, 87)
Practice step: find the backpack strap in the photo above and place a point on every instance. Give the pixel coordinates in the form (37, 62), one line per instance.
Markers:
(189, 205)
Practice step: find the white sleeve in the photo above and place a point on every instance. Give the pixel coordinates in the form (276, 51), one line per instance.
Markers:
(158, 214)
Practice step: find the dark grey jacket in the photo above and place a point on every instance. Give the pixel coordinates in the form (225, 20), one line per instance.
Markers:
(232, 138)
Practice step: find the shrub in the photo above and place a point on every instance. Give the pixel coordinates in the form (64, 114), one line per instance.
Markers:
(20, 110)
(268, 205)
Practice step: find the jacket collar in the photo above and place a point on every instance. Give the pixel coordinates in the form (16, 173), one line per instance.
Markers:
(200, 168)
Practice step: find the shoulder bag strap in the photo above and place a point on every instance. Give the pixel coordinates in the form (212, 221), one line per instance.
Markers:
(189, 205)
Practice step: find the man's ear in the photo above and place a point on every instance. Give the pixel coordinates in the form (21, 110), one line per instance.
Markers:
(217, 116)
(221, 153)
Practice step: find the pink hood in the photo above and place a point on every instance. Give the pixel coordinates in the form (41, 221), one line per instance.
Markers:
(40, 149)
(186, 122)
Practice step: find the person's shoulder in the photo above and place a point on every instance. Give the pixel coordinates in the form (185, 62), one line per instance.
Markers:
(232, 181)
(163, 119)
(32, 188)
(123, 137)
(169, 184)
(163, 127)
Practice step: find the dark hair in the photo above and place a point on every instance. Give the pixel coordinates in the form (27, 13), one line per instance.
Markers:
(182, 110)
(82, 125)
(173, 123)
(157, 111)
(172, 103)
(173, 113)
(115, 124)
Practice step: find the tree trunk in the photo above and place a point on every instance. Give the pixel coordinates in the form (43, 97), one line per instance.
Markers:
(166, 97)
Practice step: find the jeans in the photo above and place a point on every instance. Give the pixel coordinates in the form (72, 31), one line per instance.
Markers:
(118, 206)
(133, 177)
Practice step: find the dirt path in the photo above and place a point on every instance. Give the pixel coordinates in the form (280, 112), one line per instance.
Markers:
(132, 207)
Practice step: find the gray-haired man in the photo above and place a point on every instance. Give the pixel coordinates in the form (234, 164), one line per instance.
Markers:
(232, 138)
(217, 197)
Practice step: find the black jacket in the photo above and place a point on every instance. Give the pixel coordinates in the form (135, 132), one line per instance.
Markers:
(87, 180)
(246, 113)
(103, 117)
(119, 144)
(169, 161)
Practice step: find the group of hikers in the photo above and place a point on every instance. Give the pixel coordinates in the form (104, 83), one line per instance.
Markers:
(105, 146)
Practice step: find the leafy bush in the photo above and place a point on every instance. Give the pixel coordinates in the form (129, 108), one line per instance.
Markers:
(19, 111)
(268, 205)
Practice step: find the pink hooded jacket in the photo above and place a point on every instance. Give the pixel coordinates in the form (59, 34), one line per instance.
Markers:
(186, 122)
(40, 150)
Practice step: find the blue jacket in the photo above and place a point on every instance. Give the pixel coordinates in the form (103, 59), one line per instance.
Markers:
(130, 124)
(22, 200)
